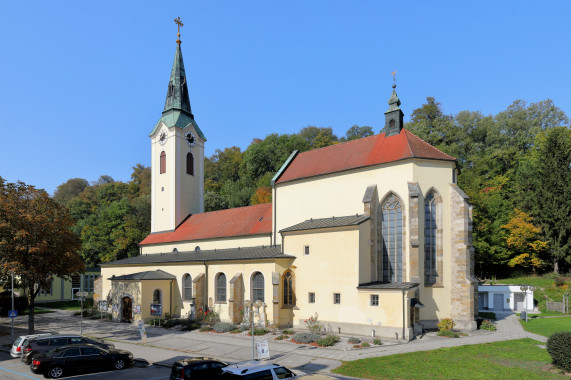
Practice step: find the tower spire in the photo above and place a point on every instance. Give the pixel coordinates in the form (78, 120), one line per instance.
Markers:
(394, 115)
(177, 93)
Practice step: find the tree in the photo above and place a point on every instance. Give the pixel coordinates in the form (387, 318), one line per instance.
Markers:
(524, 246)
(544, 181)
(36, 240)
(70, 190)
(356, 132)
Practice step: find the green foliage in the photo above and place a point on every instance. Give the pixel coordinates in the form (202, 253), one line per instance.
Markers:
(547, 326)
(446, 324)
(211, 317)
(313, 325)
(205, 328)
(281, 337)
(329, 340)
(377, 341)
(224, 327)
(353, 340)
(559, 281)
(488, 325)
(288, 332)
(559, 348)
(513, 359)
(356, 132)
(365, 344)
(546, 290)
(305, 337)
(259, 331)
(448, 333)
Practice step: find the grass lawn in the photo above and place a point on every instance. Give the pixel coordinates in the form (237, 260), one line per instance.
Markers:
(547, 326)
(546, 288)
(514, 359)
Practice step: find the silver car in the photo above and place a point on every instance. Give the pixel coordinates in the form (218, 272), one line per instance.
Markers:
(16, 350)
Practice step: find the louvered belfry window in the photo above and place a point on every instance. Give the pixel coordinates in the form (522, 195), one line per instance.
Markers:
(392, 239)
(258, 287)
(163, 162)
(221, 288)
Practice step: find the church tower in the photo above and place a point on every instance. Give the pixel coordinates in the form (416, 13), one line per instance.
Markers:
(177, 149)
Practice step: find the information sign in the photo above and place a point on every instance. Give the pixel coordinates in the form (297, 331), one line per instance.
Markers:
(156, 310)
(13, 313)
(263, 349)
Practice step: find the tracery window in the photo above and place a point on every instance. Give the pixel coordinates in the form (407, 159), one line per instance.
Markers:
(258, 287)
(221, 287)
(431, 242)
(392, 226)
(187, 283)
(289, 298)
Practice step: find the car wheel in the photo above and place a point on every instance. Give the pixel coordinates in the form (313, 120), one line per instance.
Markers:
(55, 372)
(119, 364)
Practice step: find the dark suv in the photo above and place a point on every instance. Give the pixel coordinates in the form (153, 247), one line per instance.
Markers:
(197, 369)
(43, 344)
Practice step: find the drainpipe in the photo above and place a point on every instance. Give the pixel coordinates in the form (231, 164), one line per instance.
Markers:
(205, 305)
(170, 296)
(275, 205)
(403, 313)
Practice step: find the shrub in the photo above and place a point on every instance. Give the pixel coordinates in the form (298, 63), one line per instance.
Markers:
(559, 281)
(191, 324)
(354, 340)
(487, 315)
(313, 325)
(224, 327)
(211, 317)
(305, 337)
(282, 337)
(236, 331)
(205, 328)
(258, 331)
(365, 344)
(448, 333)
(288, 332)
(377, 341)
(446, 324)
(559, 348)
(172, 322)
(327, 341)
(487, 325)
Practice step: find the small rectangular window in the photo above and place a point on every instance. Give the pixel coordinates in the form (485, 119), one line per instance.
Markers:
(336, 298)
(311, 297)
(306, 250)
(374, 300)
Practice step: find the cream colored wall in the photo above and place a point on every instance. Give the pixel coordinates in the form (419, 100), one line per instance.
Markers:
(174, 193)
(365, 252)
(207, 244)
(438, 175)
(147, 289)
(338, 194)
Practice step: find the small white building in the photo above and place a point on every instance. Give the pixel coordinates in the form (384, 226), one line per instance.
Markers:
(505, 298)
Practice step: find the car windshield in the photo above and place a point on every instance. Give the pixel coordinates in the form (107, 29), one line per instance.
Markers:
(17, 342)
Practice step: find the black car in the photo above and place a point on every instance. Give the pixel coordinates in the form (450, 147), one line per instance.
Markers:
(79, 358)
(197, 369)
(43, 344)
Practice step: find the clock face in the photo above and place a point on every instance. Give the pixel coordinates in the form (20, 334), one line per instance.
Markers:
(190, 139)
(163, 137)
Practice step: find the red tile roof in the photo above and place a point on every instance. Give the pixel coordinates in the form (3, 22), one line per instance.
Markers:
(240, 221)
(372, 150)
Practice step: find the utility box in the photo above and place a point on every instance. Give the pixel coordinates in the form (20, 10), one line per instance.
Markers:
(523, 315)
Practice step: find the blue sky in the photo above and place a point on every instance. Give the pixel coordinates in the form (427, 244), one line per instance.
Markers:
(83, 83)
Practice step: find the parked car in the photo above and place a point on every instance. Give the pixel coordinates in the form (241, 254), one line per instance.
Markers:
(79, 358)
(197, 369)
(255, 370)
(16, 350)
(43, 344)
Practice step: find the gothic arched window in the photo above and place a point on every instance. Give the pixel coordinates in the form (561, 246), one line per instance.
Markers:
(163, 163)
(189, 164)
(187, 283)
(221, 287)
(289, 299)
(432, 238)
(392, 239)
(257, 287)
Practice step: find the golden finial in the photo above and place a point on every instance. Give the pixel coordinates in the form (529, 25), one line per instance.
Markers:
(394, 78)
(179, 24)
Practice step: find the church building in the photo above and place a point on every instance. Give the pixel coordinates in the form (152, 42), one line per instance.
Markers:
(373, 235)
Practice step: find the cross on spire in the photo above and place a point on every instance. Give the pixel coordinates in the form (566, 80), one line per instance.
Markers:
(394, 78)
(179, 24)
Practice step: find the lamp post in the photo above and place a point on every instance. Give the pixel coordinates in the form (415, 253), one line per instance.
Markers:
(524, 289)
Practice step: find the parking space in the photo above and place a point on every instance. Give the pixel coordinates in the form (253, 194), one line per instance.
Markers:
(14, 369)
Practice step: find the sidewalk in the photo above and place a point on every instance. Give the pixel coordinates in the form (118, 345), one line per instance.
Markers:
(163, 347)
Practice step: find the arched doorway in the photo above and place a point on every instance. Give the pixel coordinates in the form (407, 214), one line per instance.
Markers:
(127, 315)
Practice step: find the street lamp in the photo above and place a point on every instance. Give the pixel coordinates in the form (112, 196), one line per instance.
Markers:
(524, 289)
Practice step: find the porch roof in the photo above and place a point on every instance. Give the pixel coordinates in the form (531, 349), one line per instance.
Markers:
(147, 275)
(388, 286)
